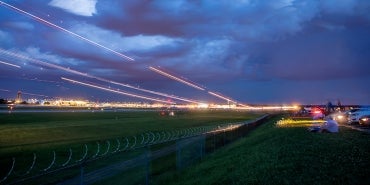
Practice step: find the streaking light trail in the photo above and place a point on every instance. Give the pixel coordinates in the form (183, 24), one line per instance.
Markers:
(26, 93)
(218, 95)
(91, 76)
(145, 90)
(175, 78)
(5, 90)
(115, 91)
(40, 80)
(41, 62)
(13, 65)
(104, 47)
(65, 30)
(222, 97)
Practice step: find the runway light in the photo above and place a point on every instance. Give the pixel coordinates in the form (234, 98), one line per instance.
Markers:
(203, 105)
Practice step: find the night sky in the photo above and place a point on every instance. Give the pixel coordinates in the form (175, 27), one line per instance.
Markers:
(253, 51)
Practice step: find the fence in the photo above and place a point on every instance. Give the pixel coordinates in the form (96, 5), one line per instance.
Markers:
(136, 159)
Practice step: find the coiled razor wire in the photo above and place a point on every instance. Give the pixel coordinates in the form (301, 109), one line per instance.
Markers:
(51, 163)
(69, 158)
(118, 146)
(10, 171)
(108, 147)
(84, 155)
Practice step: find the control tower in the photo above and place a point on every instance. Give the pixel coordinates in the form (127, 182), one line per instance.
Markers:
(19, 97)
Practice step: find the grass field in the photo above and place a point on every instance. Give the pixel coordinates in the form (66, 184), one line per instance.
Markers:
(22, 132)
(271, 154)
(283, 155)
(25, 133)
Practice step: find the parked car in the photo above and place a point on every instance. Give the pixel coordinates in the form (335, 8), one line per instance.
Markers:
(340, 116)
(364, 120)
(317, 113)
(354, 117)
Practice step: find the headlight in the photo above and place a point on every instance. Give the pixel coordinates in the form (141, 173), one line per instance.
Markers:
(340, 117)
(365, 119)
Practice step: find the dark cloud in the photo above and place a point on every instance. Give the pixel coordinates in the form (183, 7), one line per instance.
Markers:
(245, 49)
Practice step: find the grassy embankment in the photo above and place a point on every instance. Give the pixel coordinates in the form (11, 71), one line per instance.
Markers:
(283, 155)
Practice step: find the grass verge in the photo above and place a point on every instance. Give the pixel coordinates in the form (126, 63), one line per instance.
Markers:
(283, 155)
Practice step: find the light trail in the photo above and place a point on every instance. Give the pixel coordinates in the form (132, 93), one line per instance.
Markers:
(299, 123)
(148, 91)
(9, 64)
(26, 93)
(40, 80)
(104, 47)
(222, 97)
(5, 90)
(41, 62)
(65, 30)
(192, 85)
(91, 76)
(114, 91)
(175, 78)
